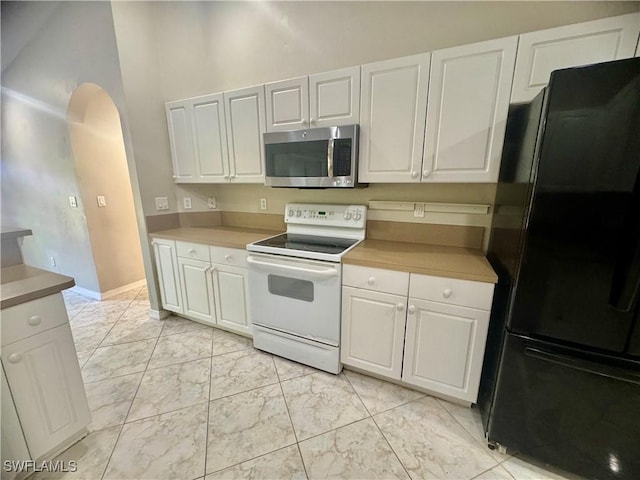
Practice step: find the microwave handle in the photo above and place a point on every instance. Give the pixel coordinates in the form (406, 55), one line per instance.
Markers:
(330, 158)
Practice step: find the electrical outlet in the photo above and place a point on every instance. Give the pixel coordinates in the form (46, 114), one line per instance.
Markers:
(162, 203)
(418, 210)
(263, 204)
(186, 201)
(102, 202)
(73, 202)
(212, 203)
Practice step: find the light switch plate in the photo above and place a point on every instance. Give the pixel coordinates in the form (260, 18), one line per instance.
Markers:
(102, 202)
(73, 202)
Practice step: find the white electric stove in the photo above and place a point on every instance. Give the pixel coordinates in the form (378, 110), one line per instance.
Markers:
(295, 283)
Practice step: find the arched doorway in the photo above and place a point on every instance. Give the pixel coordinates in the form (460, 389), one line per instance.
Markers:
(105, 187)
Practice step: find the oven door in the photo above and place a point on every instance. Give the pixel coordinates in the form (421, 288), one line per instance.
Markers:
(296, 296)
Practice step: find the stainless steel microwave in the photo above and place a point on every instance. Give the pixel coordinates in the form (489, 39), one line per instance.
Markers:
(313, 158)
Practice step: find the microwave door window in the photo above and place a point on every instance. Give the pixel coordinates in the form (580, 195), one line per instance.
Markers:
(304, 159)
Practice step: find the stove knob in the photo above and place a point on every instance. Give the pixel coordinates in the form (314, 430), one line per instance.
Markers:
(357, 216)
(298, 213)
(291, 212)
(347, 215)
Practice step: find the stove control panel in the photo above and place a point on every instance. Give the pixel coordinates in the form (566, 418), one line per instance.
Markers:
(350, 216)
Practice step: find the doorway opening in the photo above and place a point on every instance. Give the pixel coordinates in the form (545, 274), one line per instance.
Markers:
(103, 177)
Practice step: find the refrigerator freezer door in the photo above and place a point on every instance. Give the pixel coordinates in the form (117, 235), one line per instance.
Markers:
(573, 411)
(586, 206)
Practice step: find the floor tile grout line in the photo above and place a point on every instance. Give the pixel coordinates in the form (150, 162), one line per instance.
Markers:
(357, 394)
(206, 436)
(251, 459)
(404, 467)
(129, 411)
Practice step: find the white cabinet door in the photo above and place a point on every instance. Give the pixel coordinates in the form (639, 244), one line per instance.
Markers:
(444, 348)
(392, 119)
(334, 97)
(210, 137)
(287, 104)
(195, 280)
(373, 331)
(468, 102)
(245, 126)
(232, 306)
(44, 378)
(168, 278)
(181, 140)
(14, 447)
(541, 52)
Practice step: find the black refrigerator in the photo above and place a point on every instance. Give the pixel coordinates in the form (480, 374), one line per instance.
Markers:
(561, 376)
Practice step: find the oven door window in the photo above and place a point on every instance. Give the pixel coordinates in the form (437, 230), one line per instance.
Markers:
(290, 287)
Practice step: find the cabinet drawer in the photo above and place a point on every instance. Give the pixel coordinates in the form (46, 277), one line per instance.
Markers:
(30, 318)
(229, 256)
(452, 291)
(376, 279)
(196, 251)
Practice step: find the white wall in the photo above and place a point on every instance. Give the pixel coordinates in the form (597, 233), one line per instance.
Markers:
(48, 49)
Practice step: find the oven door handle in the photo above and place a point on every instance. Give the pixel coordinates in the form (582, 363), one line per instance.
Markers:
(325, 272)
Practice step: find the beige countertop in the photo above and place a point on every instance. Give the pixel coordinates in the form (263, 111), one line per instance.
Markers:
(22, 283)
(437, 260)
(443, 261)
(231, 237)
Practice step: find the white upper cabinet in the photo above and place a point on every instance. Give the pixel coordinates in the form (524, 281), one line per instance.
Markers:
(468, 102)
(541, 52)
(181, 139)
(198, 138)
(320, 100)
(287, 104)
(392, 119)
(334, 97)
(245, 113)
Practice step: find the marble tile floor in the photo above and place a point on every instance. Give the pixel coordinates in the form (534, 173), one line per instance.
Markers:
(175, 399)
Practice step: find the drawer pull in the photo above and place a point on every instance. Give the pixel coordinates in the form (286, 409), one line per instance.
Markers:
(228, 257)
(371, 281)
(191, 251)
(412, 309)
(34, 320)
(447, 293)
(400, 307)
(15, 357)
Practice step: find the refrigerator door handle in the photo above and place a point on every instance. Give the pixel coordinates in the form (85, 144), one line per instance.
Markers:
(584, 365)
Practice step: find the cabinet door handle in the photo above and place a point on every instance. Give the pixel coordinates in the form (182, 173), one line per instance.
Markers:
(412, 309)
(15, 357)
(371, 281)
(414, 174)
(34, 320)
(426, 173)
(447, 293)
(400, 307)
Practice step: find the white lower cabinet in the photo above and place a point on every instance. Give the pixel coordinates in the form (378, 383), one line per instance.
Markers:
(44, 405)
(204, 283)
(373, 326)
(195, 280)
(444, 348)
(168, 274)
(232, 306)
(435, 342)
(14, 446)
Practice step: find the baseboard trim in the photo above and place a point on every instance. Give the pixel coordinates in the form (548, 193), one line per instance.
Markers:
(158, 314)
(109, 293)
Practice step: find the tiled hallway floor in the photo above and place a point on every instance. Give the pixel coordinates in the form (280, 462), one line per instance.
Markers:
(174, 399)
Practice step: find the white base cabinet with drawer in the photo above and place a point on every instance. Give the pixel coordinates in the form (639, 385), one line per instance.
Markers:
(43, 376)
(204, 283)
(425, 331)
